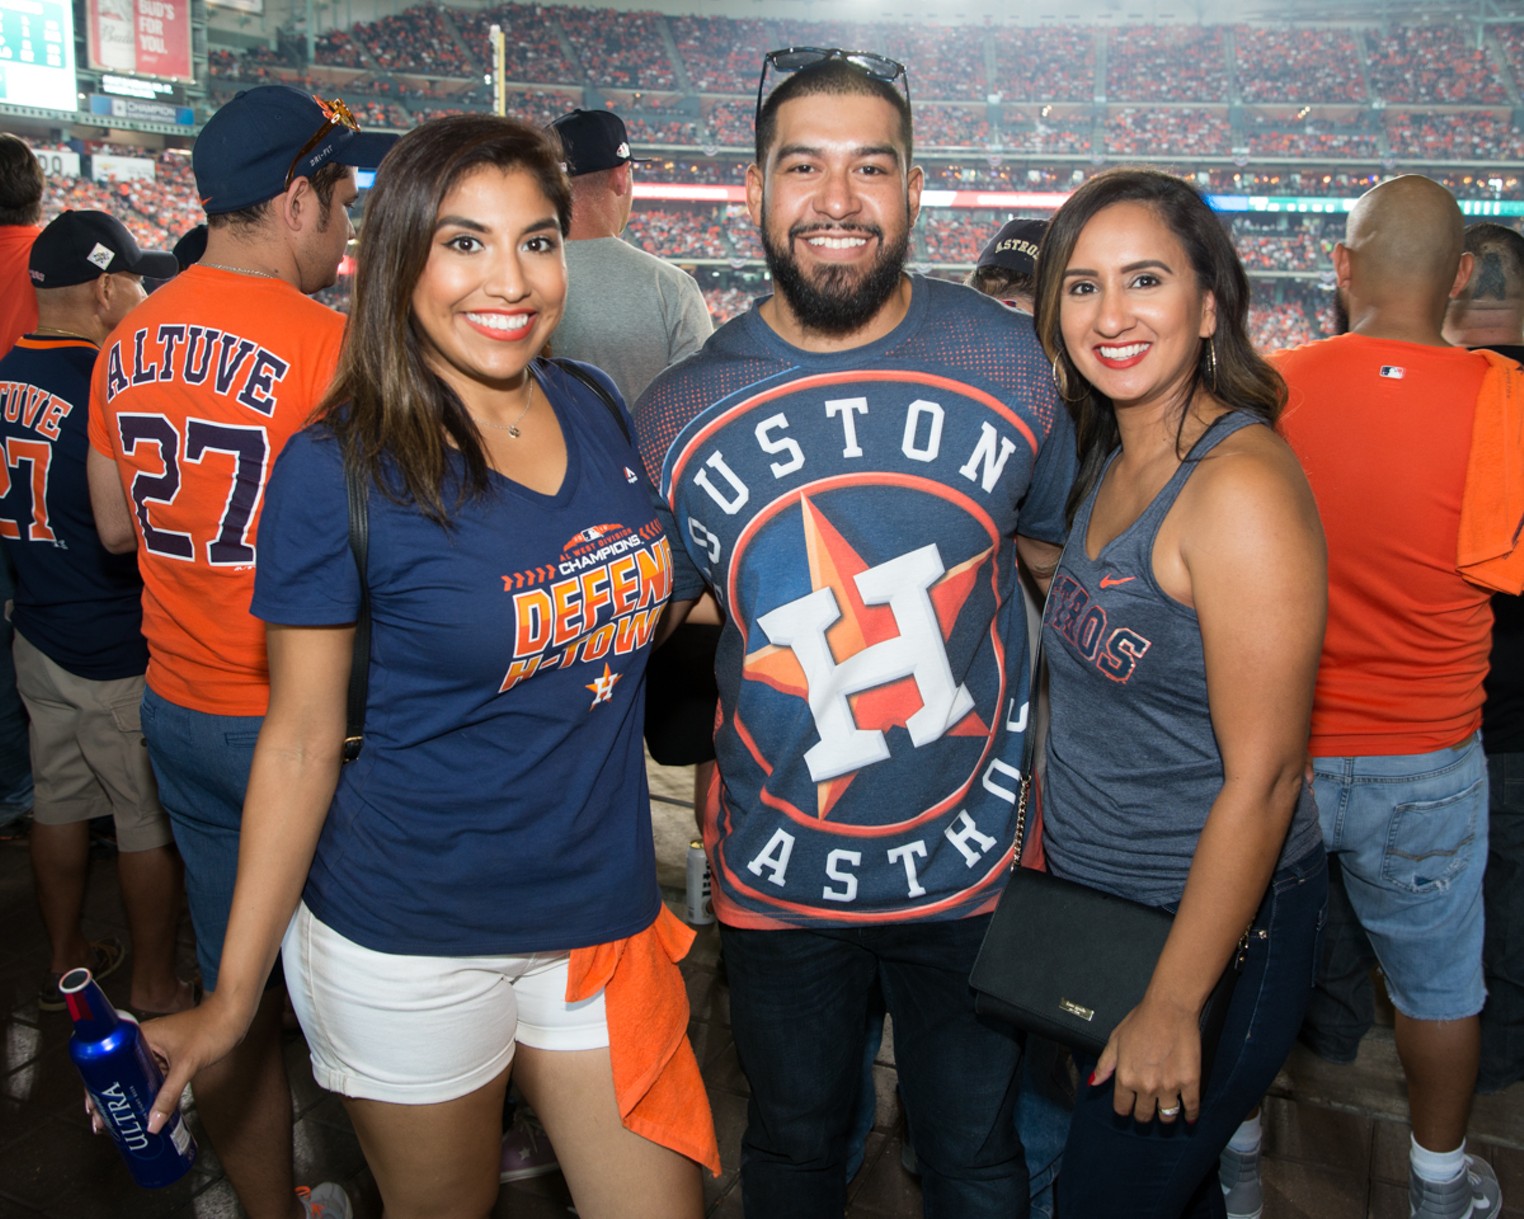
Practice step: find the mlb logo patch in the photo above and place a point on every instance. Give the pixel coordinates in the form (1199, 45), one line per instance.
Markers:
(100, 256)
(1394, 372)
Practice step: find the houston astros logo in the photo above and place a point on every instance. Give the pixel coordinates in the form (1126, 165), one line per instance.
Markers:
(866, 649)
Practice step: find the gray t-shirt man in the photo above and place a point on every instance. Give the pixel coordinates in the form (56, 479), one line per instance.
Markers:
(627, 311)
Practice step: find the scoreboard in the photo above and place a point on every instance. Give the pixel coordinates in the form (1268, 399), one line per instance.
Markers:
(37, 54)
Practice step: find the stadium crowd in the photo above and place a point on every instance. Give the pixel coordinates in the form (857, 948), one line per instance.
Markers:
(157, 209)
(1278, 64)
(1360, 64)
(1139, 131)
(1196, 55)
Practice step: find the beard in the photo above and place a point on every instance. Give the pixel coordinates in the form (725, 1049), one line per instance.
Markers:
(836, 300)
(1341, 312)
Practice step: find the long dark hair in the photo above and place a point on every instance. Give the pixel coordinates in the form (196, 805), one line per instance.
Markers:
(1242, 379)
(394, 417)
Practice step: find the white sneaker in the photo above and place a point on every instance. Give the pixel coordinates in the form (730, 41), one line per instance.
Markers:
(1238, 1173)
(1475, 1194)
(324, 1201)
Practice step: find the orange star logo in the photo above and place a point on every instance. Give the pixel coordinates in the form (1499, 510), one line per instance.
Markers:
(603, 687)
(834, 564)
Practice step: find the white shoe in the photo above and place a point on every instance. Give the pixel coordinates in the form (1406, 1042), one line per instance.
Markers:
(1475, 1194)
(1238, 1173)
(324, 1201)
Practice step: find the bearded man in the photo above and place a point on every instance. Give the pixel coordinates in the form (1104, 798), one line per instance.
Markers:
(846, 465)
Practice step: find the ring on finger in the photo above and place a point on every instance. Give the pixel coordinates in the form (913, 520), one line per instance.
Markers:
(1171, 1111)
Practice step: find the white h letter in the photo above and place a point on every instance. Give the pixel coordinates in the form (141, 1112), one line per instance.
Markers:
(916, 652)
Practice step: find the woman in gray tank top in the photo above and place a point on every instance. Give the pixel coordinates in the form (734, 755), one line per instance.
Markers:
(1182, 633)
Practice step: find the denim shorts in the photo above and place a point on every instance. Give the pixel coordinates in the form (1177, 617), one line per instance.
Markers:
(1410, 833)
(201, 762)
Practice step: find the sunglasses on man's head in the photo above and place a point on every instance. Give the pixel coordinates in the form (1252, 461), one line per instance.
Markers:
(335, 114)
(796, 59)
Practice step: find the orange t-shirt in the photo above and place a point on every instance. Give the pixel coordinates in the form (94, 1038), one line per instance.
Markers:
(1383, 430)
(194, 396)
(18, 300)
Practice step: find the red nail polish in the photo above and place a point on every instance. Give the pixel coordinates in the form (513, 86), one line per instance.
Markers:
(1091, 1080)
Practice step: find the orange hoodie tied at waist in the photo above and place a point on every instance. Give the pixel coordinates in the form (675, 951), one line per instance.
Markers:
(1488, 553)
(657, 1083)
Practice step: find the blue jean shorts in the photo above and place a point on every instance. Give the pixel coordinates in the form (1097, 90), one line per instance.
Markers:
(201, 762)
(1410, 832)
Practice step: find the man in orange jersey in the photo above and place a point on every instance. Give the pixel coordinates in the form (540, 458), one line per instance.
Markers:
(194, 396)
(1381, 419)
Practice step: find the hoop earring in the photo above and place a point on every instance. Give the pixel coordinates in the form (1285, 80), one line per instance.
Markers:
(1061, 381)
(1211, 363)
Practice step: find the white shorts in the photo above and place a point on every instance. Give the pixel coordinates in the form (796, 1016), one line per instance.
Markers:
(421, 1030)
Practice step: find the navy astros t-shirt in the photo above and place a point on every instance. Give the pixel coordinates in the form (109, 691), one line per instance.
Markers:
(500, 802)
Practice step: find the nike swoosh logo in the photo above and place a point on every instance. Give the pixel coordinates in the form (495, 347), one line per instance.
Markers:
(1111, 582)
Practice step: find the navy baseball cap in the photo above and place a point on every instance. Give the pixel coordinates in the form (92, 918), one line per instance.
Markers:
(593, 140)
(266, 137)
(191, 247)
(1014, 247)
(79, 247)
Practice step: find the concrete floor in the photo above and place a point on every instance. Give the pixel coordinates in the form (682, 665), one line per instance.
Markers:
(1336, 1136)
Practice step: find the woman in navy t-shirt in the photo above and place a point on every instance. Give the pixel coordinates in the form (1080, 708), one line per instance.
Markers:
(497, 817)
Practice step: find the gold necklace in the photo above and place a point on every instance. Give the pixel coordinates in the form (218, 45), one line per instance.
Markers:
(511, 428)
(217, 266)
(69, 334)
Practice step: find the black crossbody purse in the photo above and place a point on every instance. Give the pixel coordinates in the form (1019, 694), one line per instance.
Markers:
(1068, 962)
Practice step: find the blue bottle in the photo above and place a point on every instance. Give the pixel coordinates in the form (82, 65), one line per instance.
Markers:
(123, 1079)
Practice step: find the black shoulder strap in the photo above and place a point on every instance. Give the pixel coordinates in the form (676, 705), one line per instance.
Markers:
(359, 669)
(575, 370)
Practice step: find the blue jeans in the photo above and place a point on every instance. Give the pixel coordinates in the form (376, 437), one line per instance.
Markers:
(201, 762)
(799, 1008)
(1043, 1106)
(1410, 834)
(15, 755)
(1503, 945)
(1043, 1113)
(1343, 1005)
(867, 1098)
(1117, 1168)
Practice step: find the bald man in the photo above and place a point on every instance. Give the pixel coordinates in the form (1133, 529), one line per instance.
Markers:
(1381, 419)
(1489, 312)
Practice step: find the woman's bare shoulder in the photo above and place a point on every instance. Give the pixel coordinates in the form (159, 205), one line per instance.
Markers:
(1254, 469)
